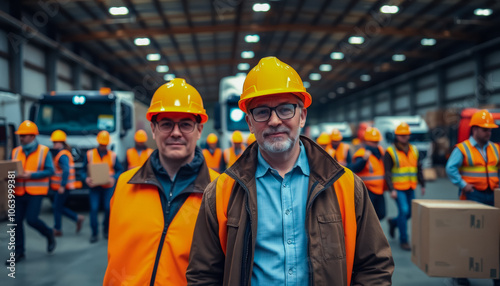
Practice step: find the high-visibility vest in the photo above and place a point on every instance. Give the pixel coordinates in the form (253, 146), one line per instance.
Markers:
(213, 160)
(56, 179)
(340, 154)
(136, 160)
(405, 167)
(475, 170)
(35, 162)
(373, 172)
(110, 158)
(329, 149)
(230, 156)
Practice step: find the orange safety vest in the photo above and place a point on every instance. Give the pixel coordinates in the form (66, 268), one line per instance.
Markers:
(136, 160)
(213, 160)
(340, 154)
(405, 168)
(230, 156)
(55, 180)
(34, 163)
(134, 225)
(373, 172)
(110, 158)
(475, 170)
(329, 149)
(344, 188)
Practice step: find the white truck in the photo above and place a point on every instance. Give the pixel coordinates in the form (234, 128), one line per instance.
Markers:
(419, 137)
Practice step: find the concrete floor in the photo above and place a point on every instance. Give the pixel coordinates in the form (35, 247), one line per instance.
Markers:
(77, 262)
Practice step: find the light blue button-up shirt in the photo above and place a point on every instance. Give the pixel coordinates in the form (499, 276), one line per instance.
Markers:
(281, 247)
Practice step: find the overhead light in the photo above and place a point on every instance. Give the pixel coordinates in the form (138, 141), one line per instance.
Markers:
(398, 57)
(337, 55)
(314, 76)
(428, 42)
(252, 38)
(389, 9)
(356, 40)
(325, 67)
(169, 76)
(241, 74)
(247, 54)
(243, 66)
(153, 57)
(306, 84)
(483, 12)
(365, 77)
(261, 7)
(331, 95)
(341, 90)
(118, 11)
(351, 85)
(142, 41)
(162, 68)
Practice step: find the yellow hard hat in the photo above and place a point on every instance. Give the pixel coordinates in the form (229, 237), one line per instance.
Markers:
(27, 128)
(372, 134)
(323, 139)
(103, 137)
(251, 139)
(58, 136)
(336, 135)
(212, 138)
(484, 119)
(140, 136)
(403, 129)
(272, 76)
(177, 96)
(237, 137)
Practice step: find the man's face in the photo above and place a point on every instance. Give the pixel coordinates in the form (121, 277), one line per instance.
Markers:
(212, 146)
(403, 138)
(179, 143)
(335, 144)
(26, 139)
(58, 145)
(482, 135)
(276, 135)
(371, 144)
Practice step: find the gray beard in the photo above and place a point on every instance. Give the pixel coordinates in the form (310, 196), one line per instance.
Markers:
(278, 146)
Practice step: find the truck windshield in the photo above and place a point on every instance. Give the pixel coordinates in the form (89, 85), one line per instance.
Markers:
(90, 117)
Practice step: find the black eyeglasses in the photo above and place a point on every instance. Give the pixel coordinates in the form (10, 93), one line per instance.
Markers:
(185, 126)
(283, 111)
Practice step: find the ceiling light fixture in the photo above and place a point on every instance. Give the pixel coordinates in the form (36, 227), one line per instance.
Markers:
(356, 40)
(337, 55)
(169, 76)
(325, 67)
(118, 11)
(247, 54)
(162, 68)
(389, 9)
(252, 38)
(153, 57)
(261, 7)
(142, 41)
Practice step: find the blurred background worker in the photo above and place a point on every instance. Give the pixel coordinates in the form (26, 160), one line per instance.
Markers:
(323, 140)
(62, 182)
(250, 139)
(154, 208)
(31, 186)
(139, 154)
(402, 171)
(213, 154)
(369, 166)
(101, 193)
(232, 153)
(340, 150)
(473, 166)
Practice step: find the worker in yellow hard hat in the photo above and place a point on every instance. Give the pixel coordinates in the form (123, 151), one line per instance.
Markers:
(324, 141)
(403, 170)
(101, 193)
(340, 150)
(232, 153)
(213, 154)
(137, 155)
(31, 187)
(250, 139)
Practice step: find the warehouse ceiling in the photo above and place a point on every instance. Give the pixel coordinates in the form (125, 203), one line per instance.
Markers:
(337, 47)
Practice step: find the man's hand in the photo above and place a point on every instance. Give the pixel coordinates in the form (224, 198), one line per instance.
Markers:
(367, 155)
(394, 194)
(423, 191)
(61, 190)
(468, 188)
(25, 175)
(89, 182)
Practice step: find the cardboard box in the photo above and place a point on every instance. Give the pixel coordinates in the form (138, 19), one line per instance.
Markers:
(441, 172)
(456, 238)
(497, 198)
(6, 166)
(99, 173)
(430, 174)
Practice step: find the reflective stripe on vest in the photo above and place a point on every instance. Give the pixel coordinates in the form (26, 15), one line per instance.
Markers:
(110, 158)
(481, 174)
(136, 160)
(34, 163)
(373, 172)
(56, 179)
(404, 171)
(213, 160)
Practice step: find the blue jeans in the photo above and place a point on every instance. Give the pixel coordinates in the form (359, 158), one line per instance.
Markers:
(404, 213)
(378, 202)
(28, 206)
(97, 195)
(60, 209)
(485, 197)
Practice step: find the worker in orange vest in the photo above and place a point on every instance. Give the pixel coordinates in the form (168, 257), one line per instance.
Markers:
(402, 171)
(30, 188)
(250, 139)
(232, 153)
(154, 208)
(62, 182)
(339, 149)
(140, 153)
(324, 141)
(213, 154)
(103, 193)
(369, 166)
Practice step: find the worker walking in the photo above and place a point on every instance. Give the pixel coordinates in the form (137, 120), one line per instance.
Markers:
(340, 150)
(473, 166)
(30, 189)
(232, 153)
(62, 182)
(286, 213)
(369, 166)
(213, 154)
(140, 153)
(402, 171)
(154, 207)
(324, 141)
(103, 193)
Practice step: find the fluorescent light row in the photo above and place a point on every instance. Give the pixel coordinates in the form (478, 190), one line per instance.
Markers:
(389, 9)
(118, 11)
(252, 38)
(483, 12)
(261, 7)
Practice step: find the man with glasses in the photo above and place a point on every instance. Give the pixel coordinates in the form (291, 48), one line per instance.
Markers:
(286, 213)
(154, 208)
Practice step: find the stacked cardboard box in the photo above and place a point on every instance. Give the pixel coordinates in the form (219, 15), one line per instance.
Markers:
(430, 174)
